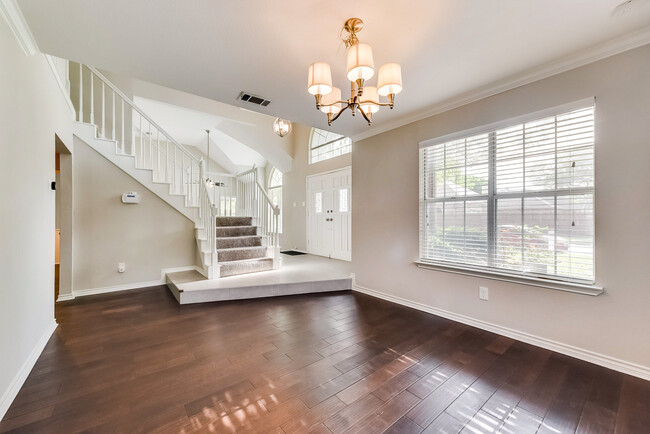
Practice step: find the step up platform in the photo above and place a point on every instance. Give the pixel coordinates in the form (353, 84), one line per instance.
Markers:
(303, 274)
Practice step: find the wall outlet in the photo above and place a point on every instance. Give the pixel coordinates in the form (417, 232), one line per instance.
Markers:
(483, 292)
(121, 267)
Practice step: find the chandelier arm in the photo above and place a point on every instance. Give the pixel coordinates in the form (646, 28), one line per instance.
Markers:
(378, 104)
(329, 122)
(365, 116)
(334, 103)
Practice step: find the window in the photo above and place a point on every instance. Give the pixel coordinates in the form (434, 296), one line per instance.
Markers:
(324, 145)
(275, 192)
(318, 202)
(343, 200)
(514, 199)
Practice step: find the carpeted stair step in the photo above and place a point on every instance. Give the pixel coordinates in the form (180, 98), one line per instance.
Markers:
(240, 253)
(236, 231)
(247, 266)
(245, 241)
(234, 221)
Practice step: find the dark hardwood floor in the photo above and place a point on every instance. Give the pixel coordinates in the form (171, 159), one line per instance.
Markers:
(136, 361)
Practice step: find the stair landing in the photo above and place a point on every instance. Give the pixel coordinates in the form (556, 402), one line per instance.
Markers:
(304, 274)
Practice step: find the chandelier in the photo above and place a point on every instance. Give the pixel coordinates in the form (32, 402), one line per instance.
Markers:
(360, 68)
(281, 127)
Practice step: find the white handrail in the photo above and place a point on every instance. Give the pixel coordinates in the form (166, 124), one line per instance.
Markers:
(151, 146)
(140, 112)
(214, 194)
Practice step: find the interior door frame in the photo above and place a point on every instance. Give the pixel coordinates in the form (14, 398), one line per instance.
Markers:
(308, 201)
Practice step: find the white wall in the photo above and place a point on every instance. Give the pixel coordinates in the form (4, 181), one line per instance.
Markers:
(252, 129)
(294, 187)
(148, 236)
(32, 111)
(615, 324)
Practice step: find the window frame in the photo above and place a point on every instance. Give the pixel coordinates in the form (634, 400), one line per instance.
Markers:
(312, 148)
(583, 286)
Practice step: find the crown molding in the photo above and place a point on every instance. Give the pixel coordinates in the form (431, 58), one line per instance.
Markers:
(11, 13)
(590, 55)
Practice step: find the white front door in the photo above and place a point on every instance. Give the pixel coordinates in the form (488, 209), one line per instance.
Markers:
(329, 198)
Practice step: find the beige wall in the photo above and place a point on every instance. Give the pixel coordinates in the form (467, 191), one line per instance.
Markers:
(148, 236)
(385, 218)
(294, 188)
(32, 111)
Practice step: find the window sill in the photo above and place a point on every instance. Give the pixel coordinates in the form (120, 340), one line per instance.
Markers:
(560, 285)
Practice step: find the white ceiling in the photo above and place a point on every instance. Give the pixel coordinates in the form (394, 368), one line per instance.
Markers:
(188, 127)
(218, 48)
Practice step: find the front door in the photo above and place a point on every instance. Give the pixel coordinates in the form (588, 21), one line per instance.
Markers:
(329, 214)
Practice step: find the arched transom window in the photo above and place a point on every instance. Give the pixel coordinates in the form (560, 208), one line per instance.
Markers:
(324, 145)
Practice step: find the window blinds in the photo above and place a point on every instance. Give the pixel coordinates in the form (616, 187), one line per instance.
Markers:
(515, 199)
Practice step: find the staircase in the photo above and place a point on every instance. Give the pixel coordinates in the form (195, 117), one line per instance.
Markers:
(239, 248)
(236, 223)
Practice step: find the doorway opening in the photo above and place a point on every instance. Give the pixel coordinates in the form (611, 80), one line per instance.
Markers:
(57, 223)
(63, 221)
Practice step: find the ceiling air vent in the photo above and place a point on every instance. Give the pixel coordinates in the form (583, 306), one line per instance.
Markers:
(258, 100)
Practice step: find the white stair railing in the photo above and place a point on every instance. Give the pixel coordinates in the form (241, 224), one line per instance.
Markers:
(101, 103)
(243, 195)
(208, 224)
(222, 188)
(268, 219)
(253, 200)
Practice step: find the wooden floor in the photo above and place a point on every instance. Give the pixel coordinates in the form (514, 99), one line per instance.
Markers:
(136, 361)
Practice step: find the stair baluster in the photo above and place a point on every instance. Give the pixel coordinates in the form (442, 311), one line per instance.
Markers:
(228, 195)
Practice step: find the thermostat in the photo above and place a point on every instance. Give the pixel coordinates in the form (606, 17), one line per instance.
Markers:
(131, 197)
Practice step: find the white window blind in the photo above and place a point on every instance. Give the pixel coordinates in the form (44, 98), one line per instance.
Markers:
(516, 199)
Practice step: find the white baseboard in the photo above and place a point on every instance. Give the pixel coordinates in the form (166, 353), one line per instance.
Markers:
(125, 287)
(569, 350)
(65, 297)
(10, 394)
(93, 291)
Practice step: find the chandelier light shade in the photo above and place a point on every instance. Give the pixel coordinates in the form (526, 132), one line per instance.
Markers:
(389, 79)
(360, 67)
(370, 100)
(281, 127)
(330, 102)
(320, 79)
(360, 63)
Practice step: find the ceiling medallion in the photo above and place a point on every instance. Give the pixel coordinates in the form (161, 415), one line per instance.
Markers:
(360, 68)
(281, 127)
